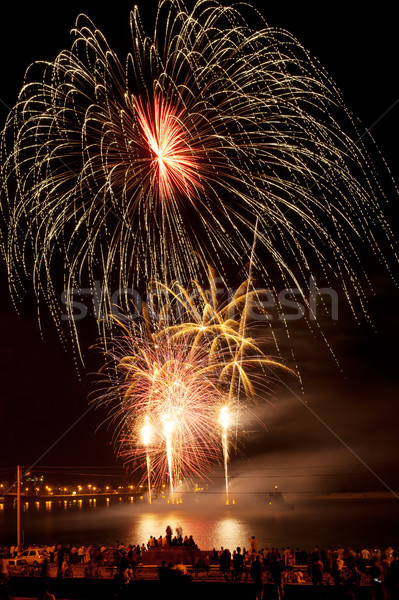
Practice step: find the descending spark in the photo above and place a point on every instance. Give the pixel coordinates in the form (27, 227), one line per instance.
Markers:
(115, 172)
(224, 420)
(168, 426)
(146, 438)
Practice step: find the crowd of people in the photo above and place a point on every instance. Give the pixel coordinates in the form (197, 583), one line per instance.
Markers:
(167, 539)
(66, 557)
(332, 566)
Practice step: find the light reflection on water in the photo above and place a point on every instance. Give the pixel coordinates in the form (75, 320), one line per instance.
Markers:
(229, 530)
(326, 522)
(207, 531)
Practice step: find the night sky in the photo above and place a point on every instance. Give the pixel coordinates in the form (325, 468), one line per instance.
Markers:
(41, 393)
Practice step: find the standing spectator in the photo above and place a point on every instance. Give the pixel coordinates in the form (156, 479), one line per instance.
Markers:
(163, 571)
(353, 582)
(340, 552)
(376, 575)
(253, 542)
(276, 572)
(325, 560)
(45, 568)
(388, 556)
(238, 564)
(317, 572)
(169, 534)
(376, 555)
(291, 559)
(224, 564)
(258, 577)
(392, 578)
(351, 560)
(336, 570)
(329, 557)
(366, 555)
(304, 559)
(60, 559)
(286, 554)
(247, 564)
(3, 570)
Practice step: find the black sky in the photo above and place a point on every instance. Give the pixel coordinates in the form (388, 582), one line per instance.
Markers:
(41, 394)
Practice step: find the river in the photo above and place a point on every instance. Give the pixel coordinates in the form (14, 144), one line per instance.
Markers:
(323, 522)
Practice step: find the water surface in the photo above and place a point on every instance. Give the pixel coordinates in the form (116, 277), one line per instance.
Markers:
(313, 522)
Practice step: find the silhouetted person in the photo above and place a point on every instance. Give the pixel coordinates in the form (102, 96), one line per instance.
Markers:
(224, 563)
(391, 580)
(276, 571)
(325, 561)
(253, 543)
(376, 575)
(353, 582)
(238, 564)
(163, 572)
(45, 570)
(4, 575)
(257, 575)
(169, 534)
(317, 572)
(336, 570)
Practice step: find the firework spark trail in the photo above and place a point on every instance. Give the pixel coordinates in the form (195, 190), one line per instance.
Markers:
(168, 426)
(146, 439)
(207, 127)
(225, 422)
(180, 374)
(148, 462)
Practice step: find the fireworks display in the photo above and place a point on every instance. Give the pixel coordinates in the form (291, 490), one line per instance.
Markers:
(208, 139)
(150, 168)
(165, 389)
(175, 385)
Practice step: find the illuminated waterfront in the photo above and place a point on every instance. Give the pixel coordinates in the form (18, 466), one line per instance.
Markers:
(98, 521)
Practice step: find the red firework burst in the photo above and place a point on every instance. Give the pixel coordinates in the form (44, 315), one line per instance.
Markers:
(175, 168)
